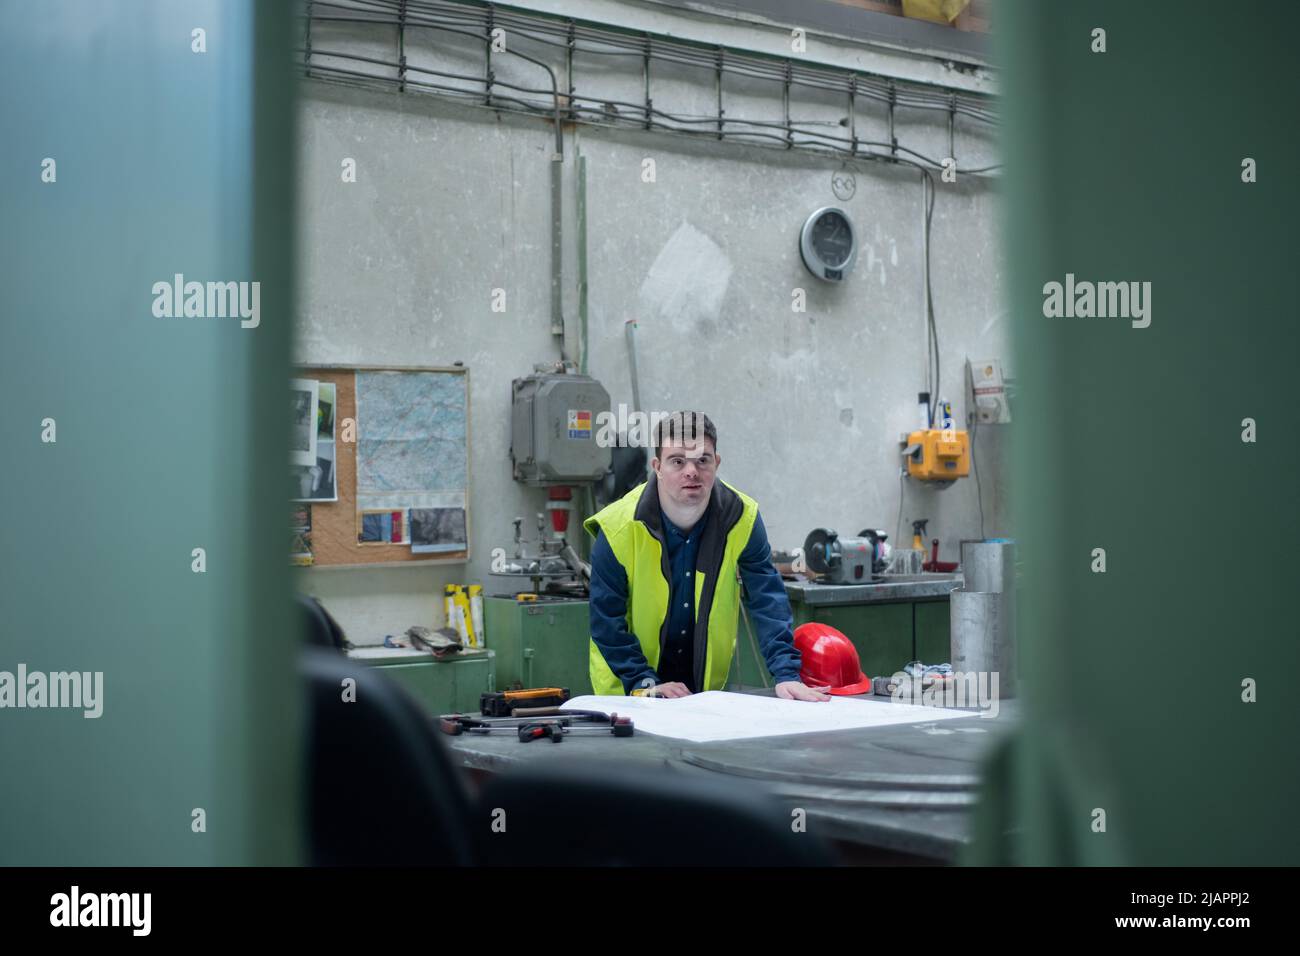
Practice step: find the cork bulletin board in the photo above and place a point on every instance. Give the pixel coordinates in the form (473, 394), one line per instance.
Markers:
(402, 484)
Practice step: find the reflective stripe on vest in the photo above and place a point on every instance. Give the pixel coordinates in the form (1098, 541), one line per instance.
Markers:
(629, 525)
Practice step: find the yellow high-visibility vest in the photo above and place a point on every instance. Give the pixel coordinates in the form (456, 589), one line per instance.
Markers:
(635, 534)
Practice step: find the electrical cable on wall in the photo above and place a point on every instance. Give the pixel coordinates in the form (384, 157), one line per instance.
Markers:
(932, 370)
(972, 422)
(898, 525)
(567, 33)
(575, 37)
(928, 191)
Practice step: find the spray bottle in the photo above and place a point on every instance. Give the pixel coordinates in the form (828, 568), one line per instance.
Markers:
(918, 535)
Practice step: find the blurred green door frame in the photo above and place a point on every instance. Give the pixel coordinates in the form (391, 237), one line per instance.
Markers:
(1126, 166)
(172, 152)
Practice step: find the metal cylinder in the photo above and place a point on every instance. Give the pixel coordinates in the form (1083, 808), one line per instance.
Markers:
(989, 566)
(983, 636)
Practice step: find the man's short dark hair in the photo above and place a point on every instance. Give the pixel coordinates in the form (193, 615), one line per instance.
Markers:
(685, 426)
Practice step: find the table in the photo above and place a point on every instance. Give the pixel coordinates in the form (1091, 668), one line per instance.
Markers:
(899, 794)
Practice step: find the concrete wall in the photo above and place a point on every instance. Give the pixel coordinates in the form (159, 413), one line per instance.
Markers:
(453, 201)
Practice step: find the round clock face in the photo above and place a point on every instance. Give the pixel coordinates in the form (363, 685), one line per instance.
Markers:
(832, 239)
(828, 244)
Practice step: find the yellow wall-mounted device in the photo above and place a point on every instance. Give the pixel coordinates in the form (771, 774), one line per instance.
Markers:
(935, 454)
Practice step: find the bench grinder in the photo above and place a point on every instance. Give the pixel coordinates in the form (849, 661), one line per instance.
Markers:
(846, 560)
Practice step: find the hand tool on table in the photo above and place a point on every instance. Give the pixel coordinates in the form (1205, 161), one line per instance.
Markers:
(557, 730)
(531, 712)
(563, 722)
(503, 703)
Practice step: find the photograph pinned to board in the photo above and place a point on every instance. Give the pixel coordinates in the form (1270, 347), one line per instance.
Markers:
(303, 394)
(312, 475)
(317, 483)
(300, 529)
(325, 404)
(443, 520)
(385, 526)
(438, 529)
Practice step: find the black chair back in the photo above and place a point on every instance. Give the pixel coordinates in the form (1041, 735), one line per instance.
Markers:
(583, 812)
(381, 787)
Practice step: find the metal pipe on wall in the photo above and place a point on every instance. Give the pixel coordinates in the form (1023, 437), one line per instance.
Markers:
(582, 264)
(557, 252)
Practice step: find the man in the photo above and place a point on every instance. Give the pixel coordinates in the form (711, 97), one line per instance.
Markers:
(664, 594)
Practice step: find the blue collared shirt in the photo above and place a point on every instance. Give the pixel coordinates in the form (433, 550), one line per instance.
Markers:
(765, 599)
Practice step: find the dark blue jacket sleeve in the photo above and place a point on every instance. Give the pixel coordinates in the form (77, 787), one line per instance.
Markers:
(621, 650)
(769, 608)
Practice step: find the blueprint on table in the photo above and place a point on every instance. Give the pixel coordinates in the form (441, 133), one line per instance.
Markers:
(720, 715)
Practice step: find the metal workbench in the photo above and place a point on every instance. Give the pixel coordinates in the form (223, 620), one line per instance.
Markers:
(912, 587)
(901, 793)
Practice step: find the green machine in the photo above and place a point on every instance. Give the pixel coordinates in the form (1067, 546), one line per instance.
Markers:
(539, 643)
(450, 685)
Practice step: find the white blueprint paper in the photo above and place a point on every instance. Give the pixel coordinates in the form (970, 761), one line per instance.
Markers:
(721, 715)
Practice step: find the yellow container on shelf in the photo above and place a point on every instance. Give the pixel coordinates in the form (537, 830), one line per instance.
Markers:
(938, 11)
(449, 604)
(476, 614)
(464, 620)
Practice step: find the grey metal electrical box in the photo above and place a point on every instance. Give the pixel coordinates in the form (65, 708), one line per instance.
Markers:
(554, 421)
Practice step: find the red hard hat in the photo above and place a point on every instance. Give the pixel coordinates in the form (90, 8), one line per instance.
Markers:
(829, 658)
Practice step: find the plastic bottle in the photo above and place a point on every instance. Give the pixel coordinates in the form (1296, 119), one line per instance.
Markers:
(476, 614)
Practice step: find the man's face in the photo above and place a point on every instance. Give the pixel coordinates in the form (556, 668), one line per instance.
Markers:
(686, 471)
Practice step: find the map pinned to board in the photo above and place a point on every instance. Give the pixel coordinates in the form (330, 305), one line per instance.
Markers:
(411, 432)
(412, 453)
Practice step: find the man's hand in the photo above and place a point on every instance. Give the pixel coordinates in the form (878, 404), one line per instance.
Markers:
(796, 690)
(672, 689)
